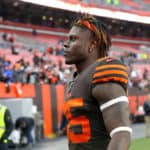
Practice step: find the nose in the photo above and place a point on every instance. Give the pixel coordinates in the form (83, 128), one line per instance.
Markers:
(66, 44)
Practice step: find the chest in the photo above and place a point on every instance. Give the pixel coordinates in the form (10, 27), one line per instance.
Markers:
(80, 86)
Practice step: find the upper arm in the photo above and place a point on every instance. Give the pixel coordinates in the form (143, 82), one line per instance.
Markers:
(110, 81)
(116, 114)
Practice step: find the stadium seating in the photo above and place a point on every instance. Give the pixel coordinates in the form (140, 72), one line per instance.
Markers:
(40, 42)
(127, 5)
(131, 4)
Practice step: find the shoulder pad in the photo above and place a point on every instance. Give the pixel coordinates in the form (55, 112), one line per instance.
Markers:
(110, 70)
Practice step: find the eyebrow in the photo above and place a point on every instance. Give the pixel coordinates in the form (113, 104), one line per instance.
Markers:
(72, 36)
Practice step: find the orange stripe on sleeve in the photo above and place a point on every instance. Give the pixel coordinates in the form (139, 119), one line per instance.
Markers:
(109, 72)
(106, 79)
(111, 66)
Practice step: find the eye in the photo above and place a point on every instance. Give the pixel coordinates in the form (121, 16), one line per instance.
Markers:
(72, 38)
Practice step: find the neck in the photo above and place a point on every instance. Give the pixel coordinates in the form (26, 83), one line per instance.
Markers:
(83, 65)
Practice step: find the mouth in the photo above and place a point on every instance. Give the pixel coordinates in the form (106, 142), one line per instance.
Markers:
(66, 54)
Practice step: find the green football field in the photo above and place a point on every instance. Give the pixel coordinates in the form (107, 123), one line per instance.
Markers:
(140, 144)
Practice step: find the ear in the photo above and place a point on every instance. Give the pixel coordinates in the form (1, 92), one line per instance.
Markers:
(93, 46)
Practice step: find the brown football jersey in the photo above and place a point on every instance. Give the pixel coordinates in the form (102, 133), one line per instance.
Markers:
(86, 129)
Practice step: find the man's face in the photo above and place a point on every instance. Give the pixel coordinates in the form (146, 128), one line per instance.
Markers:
(77, 45)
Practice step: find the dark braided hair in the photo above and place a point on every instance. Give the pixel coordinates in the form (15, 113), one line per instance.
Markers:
(99, 31)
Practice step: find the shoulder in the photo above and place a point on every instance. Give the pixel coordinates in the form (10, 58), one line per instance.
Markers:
(147, 103)
(4, 109)
(110, 65)
(110, 70)
(3, 106)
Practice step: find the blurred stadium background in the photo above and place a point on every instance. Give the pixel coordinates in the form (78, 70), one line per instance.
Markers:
(32, 67)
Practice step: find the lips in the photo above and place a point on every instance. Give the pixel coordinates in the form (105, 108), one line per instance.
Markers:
(66, 53)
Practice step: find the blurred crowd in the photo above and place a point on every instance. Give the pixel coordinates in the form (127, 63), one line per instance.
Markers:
(46, 67)
(49, 66)
(138, 77)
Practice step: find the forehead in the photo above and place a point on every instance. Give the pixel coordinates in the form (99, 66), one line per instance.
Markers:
(78, 31)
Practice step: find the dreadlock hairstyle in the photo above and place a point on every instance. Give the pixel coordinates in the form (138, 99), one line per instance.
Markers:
(99, 31)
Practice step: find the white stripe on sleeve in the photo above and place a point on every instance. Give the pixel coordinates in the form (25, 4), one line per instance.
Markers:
(114, 101)
(119, 129)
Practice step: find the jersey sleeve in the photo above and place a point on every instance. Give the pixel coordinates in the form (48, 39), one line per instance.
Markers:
(110, 70)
